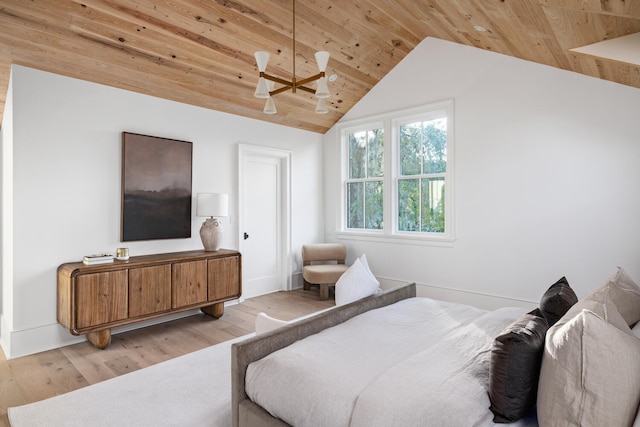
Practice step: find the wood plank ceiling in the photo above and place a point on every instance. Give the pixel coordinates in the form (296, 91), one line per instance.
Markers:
(200, 52)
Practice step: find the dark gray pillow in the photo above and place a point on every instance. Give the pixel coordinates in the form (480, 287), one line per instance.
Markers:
(557, 300)
(514, 371)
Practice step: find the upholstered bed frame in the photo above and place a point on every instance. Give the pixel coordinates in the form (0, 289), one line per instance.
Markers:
(244, 411)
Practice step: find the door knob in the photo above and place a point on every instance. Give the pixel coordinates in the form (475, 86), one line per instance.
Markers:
(246, 236)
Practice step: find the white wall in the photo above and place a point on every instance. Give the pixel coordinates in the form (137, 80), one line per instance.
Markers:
(547, 174)
(64, 176)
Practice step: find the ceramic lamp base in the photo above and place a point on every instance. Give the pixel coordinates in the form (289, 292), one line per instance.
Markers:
(211, 234)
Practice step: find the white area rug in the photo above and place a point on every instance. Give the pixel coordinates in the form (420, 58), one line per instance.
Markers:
(191, 390)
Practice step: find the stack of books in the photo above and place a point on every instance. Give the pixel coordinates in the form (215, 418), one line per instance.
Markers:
(98, 259)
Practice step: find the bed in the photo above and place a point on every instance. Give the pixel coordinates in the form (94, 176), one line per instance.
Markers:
(397, 359)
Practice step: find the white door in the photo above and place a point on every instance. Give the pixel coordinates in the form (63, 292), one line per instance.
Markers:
(263, 223)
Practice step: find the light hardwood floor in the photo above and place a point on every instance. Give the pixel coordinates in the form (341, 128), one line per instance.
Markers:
(31, 378)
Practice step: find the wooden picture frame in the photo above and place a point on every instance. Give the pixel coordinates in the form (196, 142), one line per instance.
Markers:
(156, 188)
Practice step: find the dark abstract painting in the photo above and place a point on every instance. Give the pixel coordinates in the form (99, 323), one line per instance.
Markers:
(156, 188)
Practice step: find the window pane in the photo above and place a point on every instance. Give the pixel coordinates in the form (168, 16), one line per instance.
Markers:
(357, 154)
(421, 205)
(408, 205)
(423, 147)
(355, 205)
(432, 209)
(410, 149)
(376, 153)
(434, 146)
(373, 205)
(364, 195)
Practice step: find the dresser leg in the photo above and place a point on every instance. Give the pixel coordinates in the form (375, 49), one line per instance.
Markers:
(100, 339)
(215, 310)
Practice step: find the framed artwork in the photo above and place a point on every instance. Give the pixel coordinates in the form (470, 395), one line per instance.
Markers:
(156, 188)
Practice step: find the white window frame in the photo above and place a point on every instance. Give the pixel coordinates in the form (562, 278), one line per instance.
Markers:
(390, 123)
(345, 172)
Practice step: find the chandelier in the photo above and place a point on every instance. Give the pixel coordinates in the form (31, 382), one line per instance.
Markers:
(266, 82)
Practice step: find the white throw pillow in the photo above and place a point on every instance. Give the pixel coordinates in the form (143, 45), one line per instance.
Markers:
(365, 264)
(356, 283)
(363, 260)
(266, 323)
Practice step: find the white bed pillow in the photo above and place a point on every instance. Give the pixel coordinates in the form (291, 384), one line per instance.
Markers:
(625, 294)
(266, 323)
(595, 362)
(590, 374)
(356, 283)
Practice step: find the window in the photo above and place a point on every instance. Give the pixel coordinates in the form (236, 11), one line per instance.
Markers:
(365, 179)
(421, 175)
(397, 180)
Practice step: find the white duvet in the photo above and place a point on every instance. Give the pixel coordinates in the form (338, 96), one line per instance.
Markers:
(418, 362)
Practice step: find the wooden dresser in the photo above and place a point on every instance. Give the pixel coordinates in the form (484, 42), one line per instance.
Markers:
(92, 299)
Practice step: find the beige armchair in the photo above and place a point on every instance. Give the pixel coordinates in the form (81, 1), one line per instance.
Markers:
(322, 265)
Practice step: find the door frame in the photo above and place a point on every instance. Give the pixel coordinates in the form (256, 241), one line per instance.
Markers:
(284, 159)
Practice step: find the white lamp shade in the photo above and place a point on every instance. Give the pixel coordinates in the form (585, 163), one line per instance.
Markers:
(322, 90)
(322, 59)
(321, 106)
(212, 204)
(270, 106)
(262, 59)
(262, 90)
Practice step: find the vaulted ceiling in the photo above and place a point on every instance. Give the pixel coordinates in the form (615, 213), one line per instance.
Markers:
(200, 52)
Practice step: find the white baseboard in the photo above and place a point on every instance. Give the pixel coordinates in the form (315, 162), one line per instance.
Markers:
(41, 338)
(296, 280)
